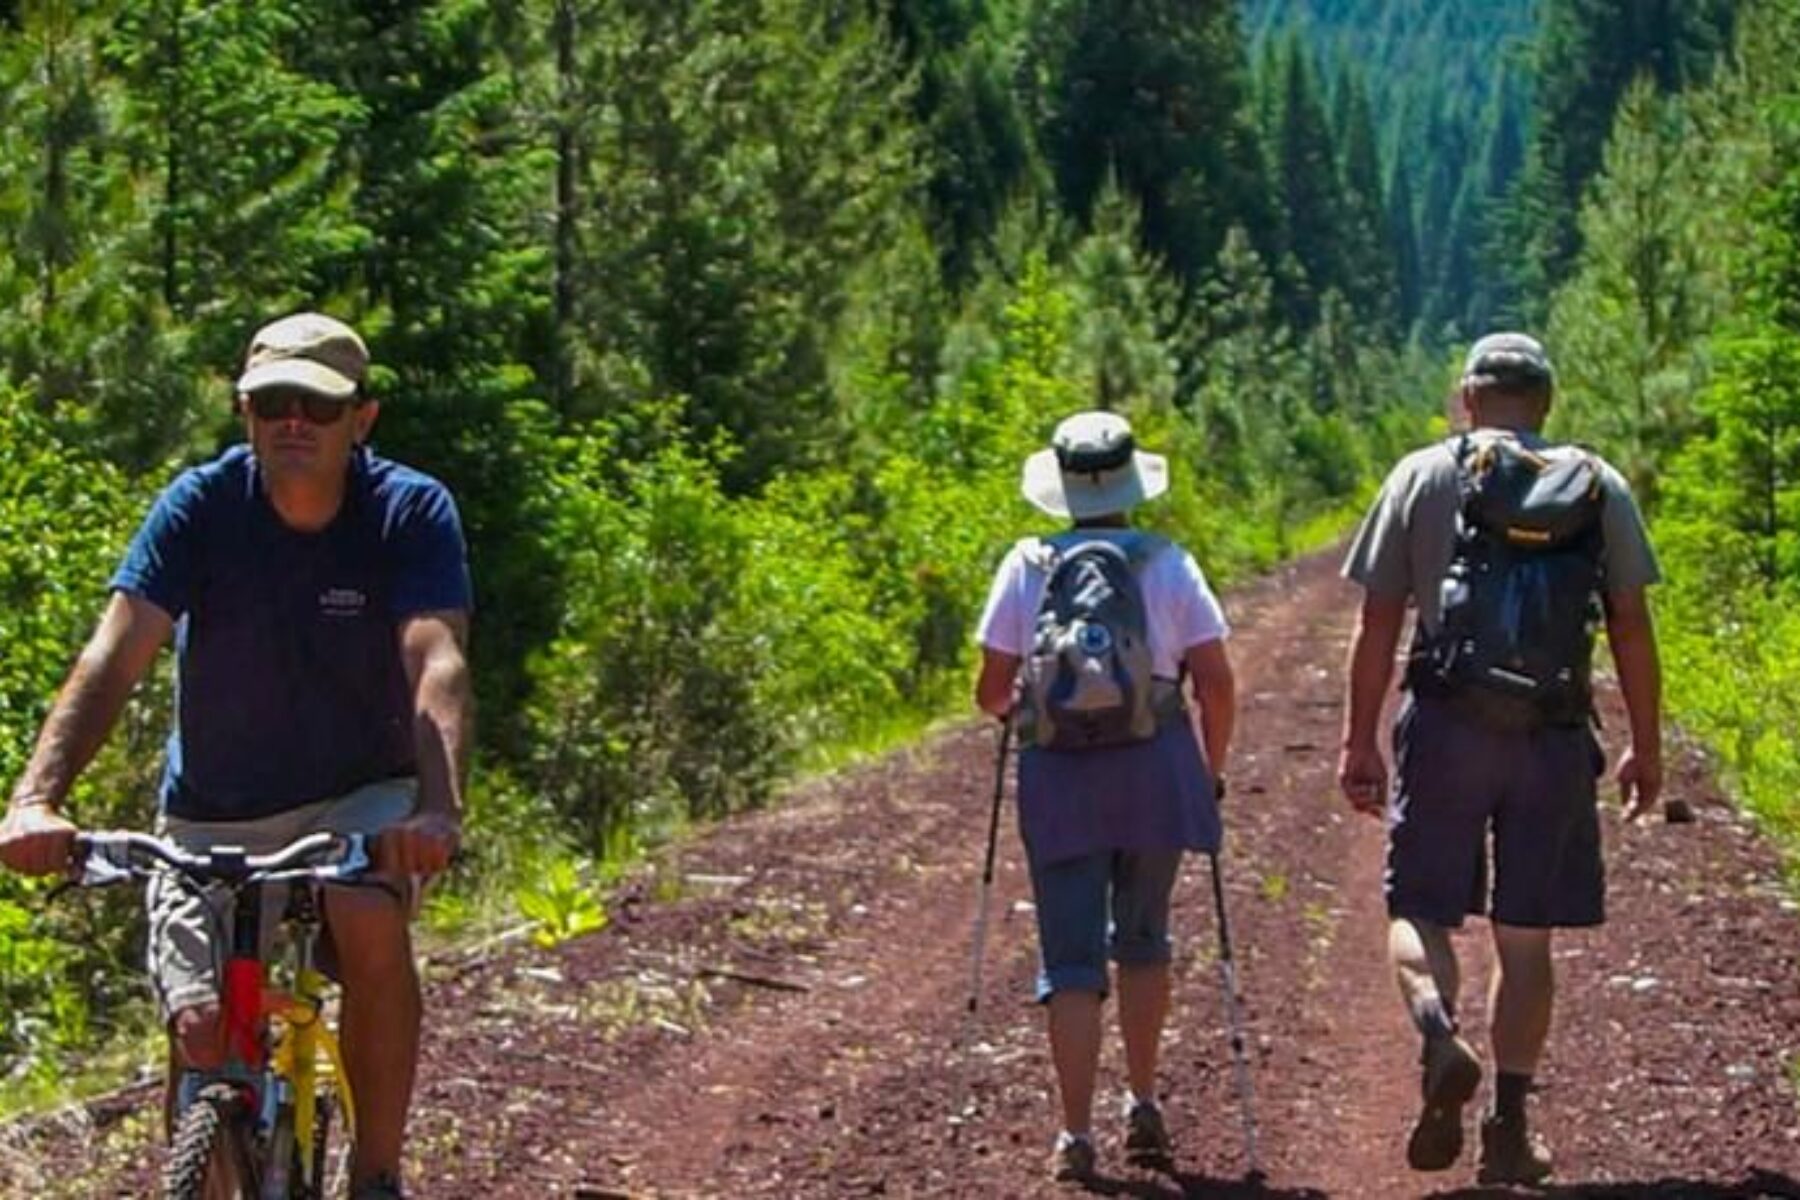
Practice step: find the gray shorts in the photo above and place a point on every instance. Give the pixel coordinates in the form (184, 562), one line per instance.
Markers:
(1534, 791)
(188, 936)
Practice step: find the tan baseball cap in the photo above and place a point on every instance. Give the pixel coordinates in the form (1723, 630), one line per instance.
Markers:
(308, 350)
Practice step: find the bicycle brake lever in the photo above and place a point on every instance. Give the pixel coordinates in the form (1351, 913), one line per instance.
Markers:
(100, 873)
(100, 865)
(356, 859)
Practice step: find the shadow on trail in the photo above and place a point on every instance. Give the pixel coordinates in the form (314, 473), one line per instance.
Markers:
(1755, 1185)
(1183, 1185)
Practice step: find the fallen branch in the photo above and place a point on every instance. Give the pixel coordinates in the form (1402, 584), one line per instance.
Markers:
(765, 981)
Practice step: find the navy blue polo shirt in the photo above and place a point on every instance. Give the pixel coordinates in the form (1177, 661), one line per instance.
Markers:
(289, 681)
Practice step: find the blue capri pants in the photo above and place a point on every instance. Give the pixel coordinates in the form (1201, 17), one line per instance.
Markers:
(1111, 904)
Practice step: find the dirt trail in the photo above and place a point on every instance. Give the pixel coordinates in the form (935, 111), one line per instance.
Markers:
(779, 1010)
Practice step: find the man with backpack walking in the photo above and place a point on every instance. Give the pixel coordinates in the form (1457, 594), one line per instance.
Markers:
(1513, 550)
(1086, 638)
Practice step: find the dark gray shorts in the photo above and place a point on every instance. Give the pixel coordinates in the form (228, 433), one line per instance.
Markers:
(1535, 790)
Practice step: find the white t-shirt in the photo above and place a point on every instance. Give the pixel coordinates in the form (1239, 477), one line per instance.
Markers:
(1182, 610)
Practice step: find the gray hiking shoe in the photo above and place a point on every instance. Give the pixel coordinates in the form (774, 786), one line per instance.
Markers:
(1450, 1076)
(1510, 1153)
(1072, 1159)
(1147, 1141)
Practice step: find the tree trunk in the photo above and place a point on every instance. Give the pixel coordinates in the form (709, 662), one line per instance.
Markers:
(567, 152)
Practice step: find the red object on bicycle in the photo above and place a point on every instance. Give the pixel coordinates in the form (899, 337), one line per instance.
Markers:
(243, 1012)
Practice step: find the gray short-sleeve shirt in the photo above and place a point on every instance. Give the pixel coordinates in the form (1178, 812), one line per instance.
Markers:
(1406, 540)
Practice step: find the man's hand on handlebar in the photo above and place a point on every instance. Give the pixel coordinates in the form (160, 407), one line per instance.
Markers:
(35, 839)
(423, 844)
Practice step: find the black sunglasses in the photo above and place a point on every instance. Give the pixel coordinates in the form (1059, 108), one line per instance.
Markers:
(283, 404)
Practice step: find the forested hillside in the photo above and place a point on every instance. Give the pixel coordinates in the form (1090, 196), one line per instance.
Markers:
(1491, 118)
(729, 323)
(1446, 85)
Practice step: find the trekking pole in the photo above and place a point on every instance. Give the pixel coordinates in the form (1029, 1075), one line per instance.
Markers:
(987, 866)
(961, 1085)
(1240, 1063)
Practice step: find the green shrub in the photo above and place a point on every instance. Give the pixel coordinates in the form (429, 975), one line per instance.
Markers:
(63, 968)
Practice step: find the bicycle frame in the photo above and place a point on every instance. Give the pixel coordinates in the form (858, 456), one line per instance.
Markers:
(303, 1038)
(273, 1040)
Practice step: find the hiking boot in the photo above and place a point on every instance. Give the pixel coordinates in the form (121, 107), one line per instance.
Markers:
(382, 1187)
(1510, 1153)
(1450, 1076)
(1146, 1137)
(1072, 1160)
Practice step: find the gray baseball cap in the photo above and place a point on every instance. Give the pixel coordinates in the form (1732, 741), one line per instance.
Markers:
(1501, 358)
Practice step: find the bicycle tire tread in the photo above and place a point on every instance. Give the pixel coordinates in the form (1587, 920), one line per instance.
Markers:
(198, 1136)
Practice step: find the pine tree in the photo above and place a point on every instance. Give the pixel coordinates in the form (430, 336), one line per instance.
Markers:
(974, 133)
(1587, 54)
(738, 160)
(1303, 160)
(1649, 287)
(1372, 268)
(1124, 307)
(1403, 247)
(1155, 93)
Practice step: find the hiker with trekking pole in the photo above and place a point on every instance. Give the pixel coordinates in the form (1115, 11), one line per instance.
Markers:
(1087, 637)
(1513, 550)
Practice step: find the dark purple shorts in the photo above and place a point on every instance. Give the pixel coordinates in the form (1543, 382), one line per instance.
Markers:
(1534, 791)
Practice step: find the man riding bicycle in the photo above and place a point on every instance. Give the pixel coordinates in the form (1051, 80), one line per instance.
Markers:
(319, 600)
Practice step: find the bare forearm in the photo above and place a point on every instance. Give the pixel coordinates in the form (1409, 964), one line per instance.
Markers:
(994, 688)
(1633, 642)
(1371, 669)
(1218, 719)
(84, 713)
(442, 730)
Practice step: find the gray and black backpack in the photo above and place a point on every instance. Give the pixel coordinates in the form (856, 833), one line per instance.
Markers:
(1087, 682)
(1521, 600)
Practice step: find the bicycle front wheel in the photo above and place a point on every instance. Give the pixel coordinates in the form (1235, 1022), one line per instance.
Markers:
(212, 1142)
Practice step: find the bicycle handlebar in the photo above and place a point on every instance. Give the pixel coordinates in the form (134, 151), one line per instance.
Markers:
(103, 858)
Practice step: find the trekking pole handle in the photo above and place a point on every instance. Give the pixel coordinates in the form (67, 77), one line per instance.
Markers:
(993, 838)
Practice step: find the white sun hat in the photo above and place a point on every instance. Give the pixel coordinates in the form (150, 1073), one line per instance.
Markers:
(1093, 468)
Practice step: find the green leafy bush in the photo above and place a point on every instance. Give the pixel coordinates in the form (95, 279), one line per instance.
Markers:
(59, 966)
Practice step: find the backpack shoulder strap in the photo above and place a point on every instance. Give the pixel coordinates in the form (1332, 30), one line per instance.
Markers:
(1043, 553)
(1143, 546)
(1137, 547)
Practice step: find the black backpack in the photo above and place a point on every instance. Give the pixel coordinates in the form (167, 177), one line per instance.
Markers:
(1087, 682)
(1521, 601)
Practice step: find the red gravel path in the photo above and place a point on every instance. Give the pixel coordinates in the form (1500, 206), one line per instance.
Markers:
(780, 1010)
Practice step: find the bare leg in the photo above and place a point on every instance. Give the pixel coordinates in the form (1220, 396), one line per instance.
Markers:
(1143, 1009)
(1425, 967)
(381, 1014)
(1075, 1049)
(1524, 989)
